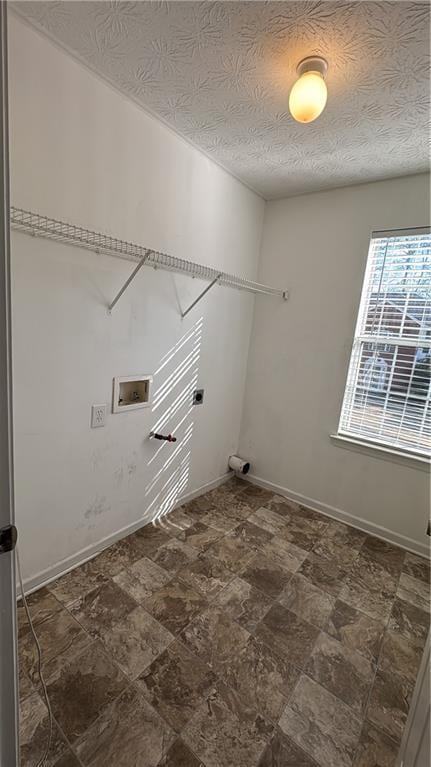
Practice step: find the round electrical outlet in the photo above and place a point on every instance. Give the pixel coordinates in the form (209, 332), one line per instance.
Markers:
(198, 396)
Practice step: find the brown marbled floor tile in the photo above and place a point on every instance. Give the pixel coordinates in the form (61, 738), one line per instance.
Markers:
(222, 686)
(101, 608)
(218, 520)
(135, 641)
(228, 503)
(82, 688)
(129, 733)
(198, 507)
(148, 538)
(287, 634)
(321, 522)
(342, 671)
(142, 579)
(220, 738)
(389, 704)
(305, 599)
(344, 534)
(175, 604)
(223, 495)
(375, 749)
(25, 685)
(388, 556)
(41, 605)
(200, 536)
(417, 567)
(180, 756)
(341, 553)
(281, 751)
(245, 715)
(356, 630)
(282, 506)
(114, 559)
(68, 759)
(173, 555)
(253, 536)
(232, 553)
(324, 573)
(321, 724)
(285, 553)
(409, 621)
(243, 603)
(206, 575)
(415, 591)
(176, 684)
(34, 733)
(215, 639)
(261, 679)
(370, 588)
(302, 532)
(176, 522)
(256, 496)
(77, 583)
(266, 574)
(400, 655)
(238, 509)
(268, 520)
(60, 637)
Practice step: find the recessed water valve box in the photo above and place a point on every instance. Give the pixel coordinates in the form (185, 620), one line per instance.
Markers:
(131, 393)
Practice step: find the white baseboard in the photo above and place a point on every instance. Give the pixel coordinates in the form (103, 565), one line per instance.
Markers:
(343, 516)
(84, 555)
(69, 563)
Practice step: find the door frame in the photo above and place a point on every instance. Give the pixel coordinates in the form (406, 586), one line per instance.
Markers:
(415, 745)
(9, 745)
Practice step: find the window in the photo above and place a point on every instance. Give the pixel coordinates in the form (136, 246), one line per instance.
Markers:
(388, 391)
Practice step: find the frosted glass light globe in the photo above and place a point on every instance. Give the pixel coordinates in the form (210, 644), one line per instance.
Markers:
(308, 96)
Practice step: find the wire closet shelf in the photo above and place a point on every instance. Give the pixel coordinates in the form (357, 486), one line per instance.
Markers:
(42, 226)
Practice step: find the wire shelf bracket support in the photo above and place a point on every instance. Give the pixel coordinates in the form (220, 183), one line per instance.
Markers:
(201, 295)
(69, 234)
(127, 283)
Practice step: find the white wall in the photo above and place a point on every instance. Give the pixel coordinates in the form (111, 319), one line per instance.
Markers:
(83, 153)
(316, 245)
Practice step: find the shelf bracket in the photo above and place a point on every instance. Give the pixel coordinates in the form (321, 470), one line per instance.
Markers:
(128, 281)
(201, 295)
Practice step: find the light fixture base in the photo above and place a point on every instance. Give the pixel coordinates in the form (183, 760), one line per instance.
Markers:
(312, 64)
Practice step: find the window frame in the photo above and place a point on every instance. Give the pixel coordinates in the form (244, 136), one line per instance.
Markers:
(356, 439)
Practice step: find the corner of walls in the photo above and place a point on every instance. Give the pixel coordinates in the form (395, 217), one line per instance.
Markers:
(259, 269)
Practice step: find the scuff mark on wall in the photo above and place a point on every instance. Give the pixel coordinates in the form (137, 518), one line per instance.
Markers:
(98, 507)
(98, 458)
(119, 475)
(132, 465)
(128, 468)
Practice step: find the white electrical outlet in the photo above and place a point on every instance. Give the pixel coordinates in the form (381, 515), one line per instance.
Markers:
(98, 416)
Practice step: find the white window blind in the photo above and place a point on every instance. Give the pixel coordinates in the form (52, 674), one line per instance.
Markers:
(388, 394)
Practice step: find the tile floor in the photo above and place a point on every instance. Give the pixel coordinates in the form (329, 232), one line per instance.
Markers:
(243, 630)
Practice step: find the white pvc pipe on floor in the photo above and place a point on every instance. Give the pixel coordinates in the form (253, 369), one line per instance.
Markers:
(238, 464)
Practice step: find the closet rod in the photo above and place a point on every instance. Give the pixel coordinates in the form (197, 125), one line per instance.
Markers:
(69, 234)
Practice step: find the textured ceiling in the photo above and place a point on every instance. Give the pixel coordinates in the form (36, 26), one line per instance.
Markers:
(219, 74)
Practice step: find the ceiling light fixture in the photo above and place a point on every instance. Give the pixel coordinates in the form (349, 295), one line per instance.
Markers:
(308, 96)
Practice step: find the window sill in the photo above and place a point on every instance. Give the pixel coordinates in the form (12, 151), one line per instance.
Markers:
(380, 451)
